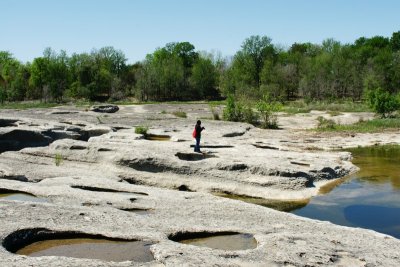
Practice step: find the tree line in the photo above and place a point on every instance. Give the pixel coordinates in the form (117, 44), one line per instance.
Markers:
(327, 71)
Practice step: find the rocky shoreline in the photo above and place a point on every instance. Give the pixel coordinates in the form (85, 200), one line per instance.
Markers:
(104, 170)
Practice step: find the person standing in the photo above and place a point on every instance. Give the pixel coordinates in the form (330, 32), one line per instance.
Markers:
(197, 134)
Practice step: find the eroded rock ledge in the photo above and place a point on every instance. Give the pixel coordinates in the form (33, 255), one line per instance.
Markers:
(101, 179)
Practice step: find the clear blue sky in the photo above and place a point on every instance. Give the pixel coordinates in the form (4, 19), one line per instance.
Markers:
(138, 27)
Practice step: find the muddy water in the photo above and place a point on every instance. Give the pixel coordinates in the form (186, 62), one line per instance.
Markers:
(225, 242)
(101, 249)
(22, 197)
(154, 137)
(288, 205)
(368, 199)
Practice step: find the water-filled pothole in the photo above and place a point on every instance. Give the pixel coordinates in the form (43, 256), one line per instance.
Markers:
(44, 242)
(157, 137)
(281, 205)
(20, 196)
(221, 240)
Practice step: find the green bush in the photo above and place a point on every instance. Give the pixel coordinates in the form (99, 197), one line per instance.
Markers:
(382, 102)
(141, 130)
(325, 123)
(249, 115)
(268, 108)
(233, 110)
(229, 113)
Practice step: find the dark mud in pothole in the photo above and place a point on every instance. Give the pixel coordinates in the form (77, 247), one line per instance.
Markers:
(264, 146)
(43, 242)
(138, 211)
(6, 194)
(107, 190)
(156, 137)
(194, 156)
(281, 205)
(8, 123)
(184, 188)
(214, 146)
(234, 134)
(18, 139)
(222, 240)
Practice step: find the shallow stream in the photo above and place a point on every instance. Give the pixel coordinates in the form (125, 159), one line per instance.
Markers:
(368, 199)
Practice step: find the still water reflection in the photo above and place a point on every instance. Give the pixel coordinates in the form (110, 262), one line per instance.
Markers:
(368, 199)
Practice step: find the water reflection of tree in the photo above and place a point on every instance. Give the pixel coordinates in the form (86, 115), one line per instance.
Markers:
(378, 164)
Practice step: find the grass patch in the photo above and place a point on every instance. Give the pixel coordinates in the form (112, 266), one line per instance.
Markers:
(27, 105)
(99, 120)
(301, 106)
(141, 130)
(58, 158)
(371, 126)
(334, 113)
(180, 114)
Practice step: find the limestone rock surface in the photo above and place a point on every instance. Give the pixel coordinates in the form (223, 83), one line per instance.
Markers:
(96, 172)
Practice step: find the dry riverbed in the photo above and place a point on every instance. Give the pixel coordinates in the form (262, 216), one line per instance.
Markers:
(97, 179)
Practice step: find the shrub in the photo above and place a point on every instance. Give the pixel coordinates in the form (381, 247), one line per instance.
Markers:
(382, 102)
(233, 110)
(267, 108)
(141, 130)
(229, 110)
(325, 123)
(249, 115)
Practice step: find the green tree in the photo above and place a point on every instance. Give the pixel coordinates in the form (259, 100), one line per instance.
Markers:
(382, 102)
(395, 41)
(204, 79)
(11, 77)
(39, 78)
(249, 61)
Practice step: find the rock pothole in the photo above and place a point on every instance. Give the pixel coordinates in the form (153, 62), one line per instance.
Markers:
(138, 211)
(218, 240)
(153, 165)
(8, 123)
(105, 108)
(18, 139)
(194, 156)
(184, 188)
(108, 190)
(214, 146)
(44, 242)
(234, 134)
(15, 195)
(156, 137)
(281, 205)
(264, 146)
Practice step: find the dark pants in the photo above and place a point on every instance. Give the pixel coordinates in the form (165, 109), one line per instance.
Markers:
(197, 146)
